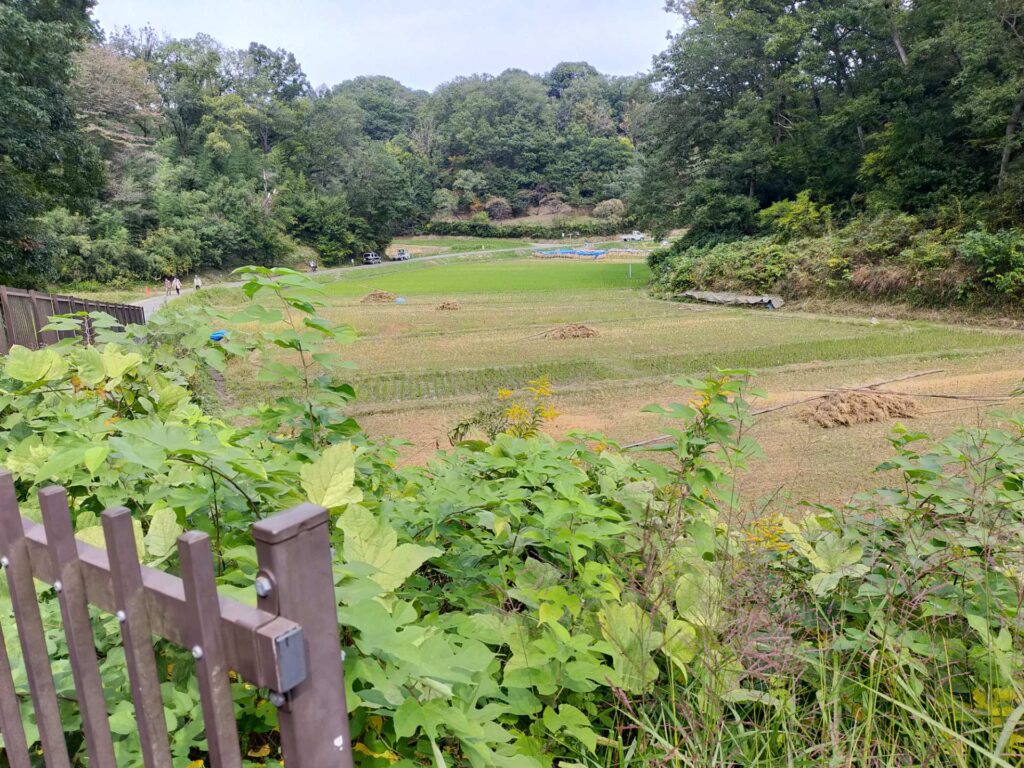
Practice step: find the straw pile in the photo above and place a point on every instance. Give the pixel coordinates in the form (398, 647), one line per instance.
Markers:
(843, 409)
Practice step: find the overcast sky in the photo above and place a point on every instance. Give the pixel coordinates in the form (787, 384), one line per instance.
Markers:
(423, 43)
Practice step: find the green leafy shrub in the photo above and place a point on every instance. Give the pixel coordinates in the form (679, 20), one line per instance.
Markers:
(889, 257)
(528, 602)
(999, 258)
(801, 217)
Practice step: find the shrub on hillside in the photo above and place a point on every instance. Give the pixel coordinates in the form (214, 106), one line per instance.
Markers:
(498, 209)
(610, 209)
(890, 257)
(445, 202)
(999, 258)
(801, 217)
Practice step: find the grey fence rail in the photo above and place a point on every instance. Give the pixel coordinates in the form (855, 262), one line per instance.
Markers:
(24, 314)
(289, 643)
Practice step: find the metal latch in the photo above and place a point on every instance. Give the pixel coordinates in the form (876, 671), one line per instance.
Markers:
(290, 652)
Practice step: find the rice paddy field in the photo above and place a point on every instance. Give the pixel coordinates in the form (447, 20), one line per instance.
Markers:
(421, 369)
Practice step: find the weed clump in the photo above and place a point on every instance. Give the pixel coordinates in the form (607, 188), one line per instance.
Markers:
(843, 409)
(379, 297)
(571, 331)
(449, 306)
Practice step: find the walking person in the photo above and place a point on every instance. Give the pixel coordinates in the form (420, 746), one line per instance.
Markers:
(167, 286)
(176, 285)
(198, 282)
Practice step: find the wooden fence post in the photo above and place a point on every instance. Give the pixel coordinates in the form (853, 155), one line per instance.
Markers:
(296, 581)
(9, 339)
(42, 309)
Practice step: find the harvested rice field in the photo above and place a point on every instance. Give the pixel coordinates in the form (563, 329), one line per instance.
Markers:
(609, 349)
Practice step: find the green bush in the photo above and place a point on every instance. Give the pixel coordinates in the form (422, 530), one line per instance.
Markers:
(801, 217)
(529, 602)
(999, 259)
(890, 257)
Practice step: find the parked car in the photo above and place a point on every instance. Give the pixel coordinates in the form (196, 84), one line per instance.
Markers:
(634, 237)
(371, 258)
(402, 255)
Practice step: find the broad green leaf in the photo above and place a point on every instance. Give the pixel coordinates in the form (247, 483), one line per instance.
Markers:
(823, 583)
(680, 642)
(163, 533)
(90, 366)
(116, 363)
(122, 720)
(629, 633)
(34, 366)
(330, 480)
(61, 461)
(573, 721)
(374, 542)
(94, 457)
(697, 597)
(134, 450)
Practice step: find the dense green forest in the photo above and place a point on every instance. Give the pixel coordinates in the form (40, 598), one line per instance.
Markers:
(871, 146)
(125, 154)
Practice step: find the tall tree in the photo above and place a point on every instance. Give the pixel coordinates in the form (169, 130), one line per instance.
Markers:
(44, 157)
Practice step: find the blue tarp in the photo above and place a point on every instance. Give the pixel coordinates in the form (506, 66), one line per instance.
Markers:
(574, 252)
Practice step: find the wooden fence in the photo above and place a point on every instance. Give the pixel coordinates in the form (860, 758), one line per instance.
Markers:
(26, 313)
(288, 644)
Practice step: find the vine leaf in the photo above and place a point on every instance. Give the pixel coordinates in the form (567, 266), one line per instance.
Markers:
(162, 536)
(629, 632)
(330, 480)
(373, 542)
(34, 367)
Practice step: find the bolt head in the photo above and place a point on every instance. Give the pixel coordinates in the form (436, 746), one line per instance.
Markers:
(197, 653)
(58, 586)
(339, 743)
(263, 586)
(277, 699)
(121, 616)
(4, 562)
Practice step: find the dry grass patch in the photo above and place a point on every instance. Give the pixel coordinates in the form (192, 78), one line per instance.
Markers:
(844, 409)
(449, 306)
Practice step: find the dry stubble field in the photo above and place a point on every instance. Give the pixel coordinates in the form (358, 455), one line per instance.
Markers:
(420, 369)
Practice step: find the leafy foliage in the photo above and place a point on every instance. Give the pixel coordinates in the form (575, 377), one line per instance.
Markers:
(888, 257)
(866, 106)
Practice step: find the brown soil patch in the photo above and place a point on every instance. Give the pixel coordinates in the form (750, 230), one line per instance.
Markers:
(449, 306)
(571, 331)
(843, 409)
(379, 297)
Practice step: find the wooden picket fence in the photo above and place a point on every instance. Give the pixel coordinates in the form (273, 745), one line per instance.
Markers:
(289, 644)
(26, 313)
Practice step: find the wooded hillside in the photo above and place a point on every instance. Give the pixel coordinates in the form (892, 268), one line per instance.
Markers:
(137, 155)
